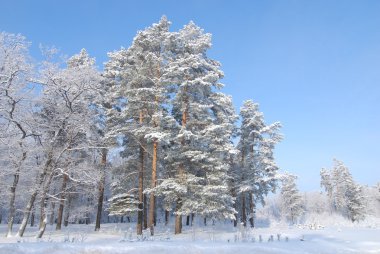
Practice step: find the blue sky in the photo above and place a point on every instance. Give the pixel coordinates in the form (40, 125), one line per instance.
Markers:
(313, 65)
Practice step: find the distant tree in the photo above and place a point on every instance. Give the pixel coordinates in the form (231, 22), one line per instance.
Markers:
(356, 208)
(346, 197)
(292, 204)
(316, 202)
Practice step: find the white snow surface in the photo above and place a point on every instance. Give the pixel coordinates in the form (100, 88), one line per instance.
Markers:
(221, 238)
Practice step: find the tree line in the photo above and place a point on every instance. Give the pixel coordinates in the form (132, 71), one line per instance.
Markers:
(150, 133)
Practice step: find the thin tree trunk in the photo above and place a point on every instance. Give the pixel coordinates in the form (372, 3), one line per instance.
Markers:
(192, 219)
(205, 221)
(43, 205)
(27, 213)
(167, 214)
(61, 203)
(235, 206)
(187, 220)
(87, 220)
(52, 212)
(251, 210)
(155, 216)
(67, 210)
(145, 214)
(251, 200)
(12, 208)
(141, 186)
(243, 210)
(41, 231)
(233, 192)
(34, 195)
(32, 218)
(43, 200)
(101, 189)
(178, 220)
(152, 201)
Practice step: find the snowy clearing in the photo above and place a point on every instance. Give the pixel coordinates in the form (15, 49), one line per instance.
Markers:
(119, 238)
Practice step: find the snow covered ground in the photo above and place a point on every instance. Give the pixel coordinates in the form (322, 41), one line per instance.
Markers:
(222, 238)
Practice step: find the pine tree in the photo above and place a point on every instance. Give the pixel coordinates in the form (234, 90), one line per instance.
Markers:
(258, 170)
(355, 202)
(135, 75)
(345, 195)
(292, 203)
(198, 184)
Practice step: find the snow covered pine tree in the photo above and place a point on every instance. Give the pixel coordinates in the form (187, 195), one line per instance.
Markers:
(346, 196)
(257, 168)
(292, 205)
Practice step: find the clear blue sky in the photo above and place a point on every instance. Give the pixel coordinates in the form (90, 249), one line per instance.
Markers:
(313, 65)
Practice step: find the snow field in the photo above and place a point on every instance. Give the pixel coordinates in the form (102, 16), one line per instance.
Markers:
(121, 238)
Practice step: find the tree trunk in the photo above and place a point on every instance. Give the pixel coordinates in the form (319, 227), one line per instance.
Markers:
(155, 214)
(34, 195)
(43, 203)
(52, 213)
(145, 213)
(141, 196)
(87, 220)
(233, 194)
(61, 203)
(178, 224)
(251, 201)
(235, 207)
(192, 219)
(41, 231)
(141, 186)
(67, 210)
(167, 214)
(101, 189)
(32, 219)
(178, 218)
(27, 213)
(187, 220)
(251, 210)
(205, 221)
(152, 201)
(243, 210)
(12, 208)
(44, 199)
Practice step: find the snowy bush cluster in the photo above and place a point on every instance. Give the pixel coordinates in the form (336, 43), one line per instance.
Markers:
(151, 135)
